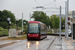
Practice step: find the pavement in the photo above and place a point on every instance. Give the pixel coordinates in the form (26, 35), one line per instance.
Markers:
(68, 44)
(57, 44)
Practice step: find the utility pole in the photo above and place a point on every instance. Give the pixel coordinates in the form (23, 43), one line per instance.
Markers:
(67, 18)
(60, 22)
(22, 22)
(30, 17)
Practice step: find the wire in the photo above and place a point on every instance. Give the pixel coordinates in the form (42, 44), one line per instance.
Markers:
(55, 4)
(36, 2)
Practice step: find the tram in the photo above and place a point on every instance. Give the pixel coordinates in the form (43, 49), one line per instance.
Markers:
(36, 30)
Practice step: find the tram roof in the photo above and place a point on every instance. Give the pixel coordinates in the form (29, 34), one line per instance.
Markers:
(35, 22)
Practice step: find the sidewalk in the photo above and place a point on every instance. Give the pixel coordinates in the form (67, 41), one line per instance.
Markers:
(68, 45)
(8, 36)
(3, 37)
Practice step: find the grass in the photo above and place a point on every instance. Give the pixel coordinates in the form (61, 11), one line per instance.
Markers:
(49, 32)
(62, 30)
(16, 38)
(55, 31)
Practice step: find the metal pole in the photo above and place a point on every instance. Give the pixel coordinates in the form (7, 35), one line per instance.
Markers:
(67, 17)
(60, 22)
(22, 22)
(30, 17)
(65, 20)
(8, 25)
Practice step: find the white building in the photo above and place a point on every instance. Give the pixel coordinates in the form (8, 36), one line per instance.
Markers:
(72, 14)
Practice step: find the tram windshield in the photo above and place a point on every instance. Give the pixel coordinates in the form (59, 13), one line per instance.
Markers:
(33, 28)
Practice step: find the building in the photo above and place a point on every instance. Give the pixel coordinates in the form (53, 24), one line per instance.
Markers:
(72, 14)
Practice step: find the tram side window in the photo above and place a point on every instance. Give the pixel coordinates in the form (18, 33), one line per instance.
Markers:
(42, 29)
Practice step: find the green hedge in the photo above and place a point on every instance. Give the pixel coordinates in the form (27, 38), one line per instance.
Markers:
(3, 32)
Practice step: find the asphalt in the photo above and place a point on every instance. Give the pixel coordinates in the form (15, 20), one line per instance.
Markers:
(56, 45)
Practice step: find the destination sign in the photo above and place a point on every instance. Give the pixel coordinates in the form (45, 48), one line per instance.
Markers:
(33, 24)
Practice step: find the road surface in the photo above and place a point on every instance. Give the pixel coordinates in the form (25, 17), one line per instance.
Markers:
(45, 44)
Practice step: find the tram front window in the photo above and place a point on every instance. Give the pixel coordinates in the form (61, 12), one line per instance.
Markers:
(33, 28)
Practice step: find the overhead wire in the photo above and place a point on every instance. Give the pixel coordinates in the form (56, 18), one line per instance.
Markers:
(55, 5)
(36, 2)
(51, 3)
(48, 3)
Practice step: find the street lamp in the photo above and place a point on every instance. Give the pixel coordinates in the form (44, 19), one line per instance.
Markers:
(24, 22)
(17, 23)
(9, 22)
(24, 27)
(8, 19)
(30, 16)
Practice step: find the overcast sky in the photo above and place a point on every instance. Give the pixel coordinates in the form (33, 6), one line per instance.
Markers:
(26, 6)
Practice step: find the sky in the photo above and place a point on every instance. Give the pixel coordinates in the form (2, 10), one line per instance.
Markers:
(27, 6)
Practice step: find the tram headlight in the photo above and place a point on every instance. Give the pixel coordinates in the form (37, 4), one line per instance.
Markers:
(28, 34)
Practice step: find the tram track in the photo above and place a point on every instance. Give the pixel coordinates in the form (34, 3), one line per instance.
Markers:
(51, 43)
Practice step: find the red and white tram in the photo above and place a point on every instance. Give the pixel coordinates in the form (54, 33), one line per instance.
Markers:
(36, 30)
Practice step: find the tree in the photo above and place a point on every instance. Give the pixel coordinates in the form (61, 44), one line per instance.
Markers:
(4, 25)
(54, 21)
(3, 18)
(19, 22)
(5, 14)
(40, 16)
